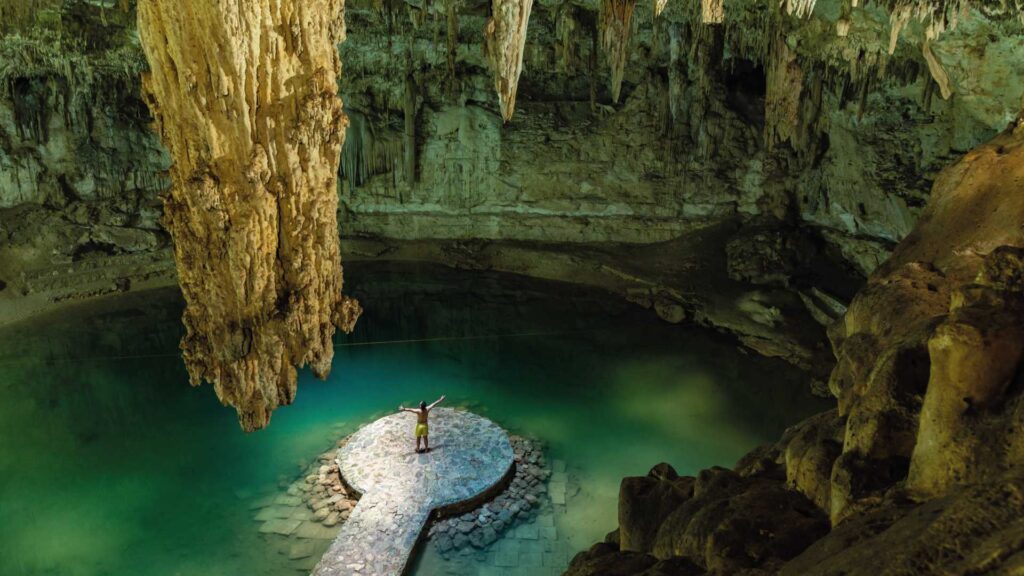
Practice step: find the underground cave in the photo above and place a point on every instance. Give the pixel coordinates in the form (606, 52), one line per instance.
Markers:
(681, 287)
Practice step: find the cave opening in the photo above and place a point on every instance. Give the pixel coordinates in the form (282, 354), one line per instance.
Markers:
(729, 289)
(745, 85)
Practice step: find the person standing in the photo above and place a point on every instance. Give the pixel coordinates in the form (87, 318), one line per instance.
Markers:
(422, 428)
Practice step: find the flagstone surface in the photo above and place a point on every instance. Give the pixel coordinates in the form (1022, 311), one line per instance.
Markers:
(470, 456)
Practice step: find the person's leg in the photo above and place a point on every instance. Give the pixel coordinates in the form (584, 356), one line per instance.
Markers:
(426, 443)
(418, 438)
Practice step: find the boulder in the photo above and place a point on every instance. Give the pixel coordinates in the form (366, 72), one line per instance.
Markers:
(809, 454)
(734, 523)
(669, 310)
(975, 356)
(645, 502)
(973, 531)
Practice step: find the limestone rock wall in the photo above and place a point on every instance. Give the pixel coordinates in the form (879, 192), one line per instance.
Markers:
(919, 466)
(244, 97)
(594, 181)
(807, 127)
(685, 147)
(79, 171)
(688, 143)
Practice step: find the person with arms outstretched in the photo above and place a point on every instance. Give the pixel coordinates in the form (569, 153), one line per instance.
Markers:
(422, 430)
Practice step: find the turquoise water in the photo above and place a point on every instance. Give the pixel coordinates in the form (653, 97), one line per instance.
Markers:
(110, 464)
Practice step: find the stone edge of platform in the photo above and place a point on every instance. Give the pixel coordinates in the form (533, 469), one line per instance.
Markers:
(460, 508)
(477, 500)
(447, 510)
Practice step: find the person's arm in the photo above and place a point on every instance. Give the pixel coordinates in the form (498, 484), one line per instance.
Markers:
(404, 409)
(436, 403)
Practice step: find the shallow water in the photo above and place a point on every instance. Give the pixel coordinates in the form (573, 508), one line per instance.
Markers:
(110, 464)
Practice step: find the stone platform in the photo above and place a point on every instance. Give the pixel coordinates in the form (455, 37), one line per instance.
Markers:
(470, 458)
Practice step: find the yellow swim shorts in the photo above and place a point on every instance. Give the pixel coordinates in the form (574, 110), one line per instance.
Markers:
(421, 430)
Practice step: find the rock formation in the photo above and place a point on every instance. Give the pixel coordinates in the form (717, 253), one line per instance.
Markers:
(504, 42)
(871, 136)
(712, 11)
(772, 137)
(659, 6)
(919, 468)
(767, 122)
(244, 97)
(616, 29)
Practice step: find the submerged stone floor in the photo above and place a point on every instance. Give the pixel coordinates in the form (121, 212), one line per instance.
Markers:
(469, 457)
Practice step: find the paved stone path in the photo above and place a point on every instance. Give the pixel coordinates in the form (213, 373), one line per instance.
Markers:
(469, 456)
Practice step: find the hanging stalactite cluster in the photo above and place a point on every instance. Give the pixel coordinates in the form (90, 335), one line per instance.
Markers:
(566, 30)
(504, 43)
(615, 27)
(702, 51)
(452, 42)
(748, 34)
(371, 148)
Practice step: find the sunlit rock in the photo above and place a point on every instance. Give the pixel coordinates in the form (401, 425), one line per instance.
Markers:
(712, 11)
(245, 98)
(916, 376)
(975, 357)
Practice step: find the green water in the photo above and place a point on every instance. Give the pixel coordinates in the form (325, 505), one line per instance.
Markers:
(110, 464)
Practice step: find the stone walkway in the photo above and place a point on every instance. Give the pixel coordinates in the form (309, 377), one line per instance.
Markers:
(470, 456)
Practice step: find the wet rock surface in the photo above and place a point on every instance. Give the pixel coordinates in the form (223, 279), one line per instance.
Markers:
(304, 516)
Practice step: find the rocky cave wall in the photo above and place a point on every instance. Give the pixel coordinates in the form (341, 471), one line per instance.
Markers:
(688, 144)
(816, 130)
(700, 134)
(920, 467)
(79, 169)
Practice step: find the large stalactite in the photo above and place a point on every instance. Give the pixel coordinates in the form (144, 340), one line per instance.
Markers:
(784, 83)
(615, 24)
(712, 11)
(504, 43)
(244, 96)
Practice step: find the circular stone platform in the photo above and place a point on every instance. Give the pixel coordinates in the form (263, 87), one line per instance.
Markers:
(469, 458)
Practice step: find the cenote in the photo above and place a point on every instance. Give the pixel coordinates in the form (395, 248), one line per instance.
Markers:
(110, 464)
